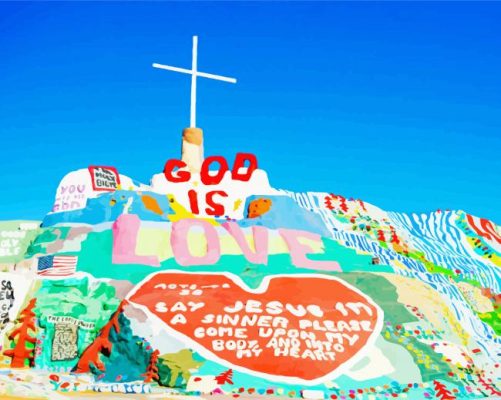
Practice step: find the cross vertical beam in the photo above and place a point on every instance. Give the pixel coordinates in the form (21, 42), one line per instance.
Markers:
(194, 74)
(193, 110)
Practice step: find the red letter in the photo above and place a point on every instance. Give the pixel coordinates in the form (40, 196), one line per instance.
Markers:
(204, 173)
(193, 196)
(240, 160)
(182, 176)
(217, 209)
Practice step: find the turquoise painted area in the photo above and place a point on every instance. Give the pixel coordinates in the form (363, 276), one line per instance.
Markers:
(75, 298)
(107, 207)
(350, 259)
(286, 213)
(336, 386)
(46, 237)
(129, 357)
(95, 258)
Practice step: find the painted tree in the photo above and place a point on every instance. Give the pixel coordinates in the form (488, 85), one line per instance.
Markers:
(117, 354)
(24, 347)
(343, 205)
(328, 201)
(174, 369)
(380, 236)
(152, 370)
(225, 377)
(488, 387)
(102, 345)
(394, 237)
(334, 197)
(441, 391)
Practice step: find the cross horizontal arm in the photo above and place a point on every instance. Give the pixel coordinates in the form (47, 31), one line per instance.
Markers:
(190, 72)
(218, 77)
(168, 67)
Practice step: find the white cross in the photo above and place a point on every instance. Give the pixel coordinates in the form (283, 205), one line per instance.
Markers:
(194, 73)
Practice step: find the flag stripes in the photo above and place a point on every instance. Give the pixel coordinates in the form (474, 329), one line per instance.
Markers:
(57, 265)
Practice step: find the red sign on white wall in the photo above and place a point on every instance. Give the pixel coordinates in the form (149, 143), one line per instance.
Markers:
(104, 178)
(244, 166)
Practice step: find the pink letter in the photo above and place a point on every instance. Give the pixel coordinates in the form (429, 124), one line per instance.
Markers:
(125, 230)
(179, 243)
(299, 251)
(260, 236)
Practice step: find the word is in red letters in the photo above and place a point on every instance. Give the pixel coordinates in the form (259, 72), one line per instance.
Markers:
(175, 171)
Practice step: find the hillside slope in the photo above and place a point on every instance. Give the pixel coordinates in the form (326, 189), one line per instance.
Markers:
(227, 285)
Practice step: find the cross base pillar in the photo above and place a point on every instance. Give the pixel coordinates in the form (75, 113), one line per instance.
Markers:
(192, 151)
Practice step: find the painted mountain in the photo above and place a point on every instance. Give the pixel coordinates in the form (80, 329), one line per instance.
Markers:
(213, 282)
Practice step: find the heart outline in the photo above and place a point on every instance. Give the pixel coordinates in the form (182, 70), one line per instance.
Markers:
(262, 288)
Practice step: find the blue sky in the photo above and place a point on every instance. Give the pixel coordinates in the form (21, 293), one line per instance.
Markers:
(398, 104)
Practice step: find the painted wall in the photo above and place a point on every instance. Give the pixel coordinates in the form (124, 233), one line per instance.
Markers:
(223, 284)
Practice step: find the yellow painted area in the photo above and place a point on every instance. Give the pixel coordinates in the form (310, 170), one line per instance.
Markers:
(197, 244)
(397, 264)
(495, 259)
(315, 246)
(237, 204)
(431, 305)
(182, 213)
(156, 241)
(153, 241)
(474, 296)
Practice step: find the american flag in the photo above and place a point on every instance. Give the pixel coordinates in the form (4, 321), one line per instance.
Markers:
(57, 265)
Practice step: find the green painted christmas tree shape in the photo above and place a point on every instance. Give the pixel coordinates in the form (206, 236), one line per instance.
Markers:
(441, 391)
(22, 351)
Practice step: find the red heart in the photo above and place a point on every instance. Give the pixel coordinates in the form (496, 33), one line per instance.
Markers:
(293, 328)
